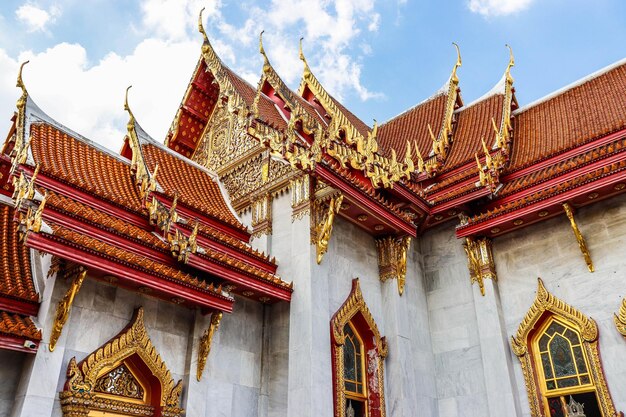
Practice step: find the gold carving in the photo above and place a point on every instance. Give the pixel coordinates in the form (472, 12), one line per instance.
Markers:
(392, 255)
(355, 304)
(205, 343)
(19, 154)
(63, 309)
(620, 319)
(300, 197)
(120, 381)
(262, 216)
(143, 178)
(579, 237)
(324, 228)
(80, 396)
(24, 189)
(547, 304)
(480, 261)
(182, 246)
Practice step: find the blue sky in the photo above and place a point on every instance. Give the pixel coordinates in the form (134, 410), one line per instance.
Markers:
(379, 57)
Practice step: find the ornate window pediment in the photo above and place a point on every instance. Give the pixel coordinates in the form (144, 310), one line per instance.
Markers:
(125, 377)
(558, 348)
(358, 353)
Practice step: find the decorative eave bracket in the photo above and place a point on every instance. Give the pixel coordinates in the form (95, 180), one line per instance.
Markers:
(582, 244)
(204, 346)
(620, 319)
(322, 226)
(480, 261)
(392, 258)
(64, 307)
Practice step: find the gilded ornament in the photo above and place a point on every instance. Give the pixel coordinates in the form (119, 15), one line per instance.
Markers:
(620, 319)
(204, 347)
(392, 256)
(81, 395)
(63, 309)
(569, 212)
(355, 304)
(300, 197)
(547, 304)
(262, 216)
(324, 229)
(480, 261)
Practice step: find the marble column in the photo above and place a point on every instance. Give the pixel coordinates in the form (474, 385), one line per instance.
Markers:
(496, 355)
(309, 383)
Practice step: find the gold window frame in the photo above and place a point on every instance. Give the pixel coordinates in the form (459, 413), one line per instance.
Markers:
(353, 306)
(546, 307)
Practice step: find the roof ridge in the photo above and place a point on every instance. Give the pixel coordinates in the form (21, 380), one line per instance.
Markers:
(572, 85)
(497, 89)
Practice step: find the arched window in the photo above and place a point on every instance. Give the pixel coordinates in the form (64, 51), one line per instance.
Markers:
(558, 348)
(125, 377)
(358, 353)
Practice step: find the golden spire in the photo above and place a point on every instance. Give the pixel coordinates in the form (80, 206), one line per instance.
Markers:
(266, 62)
(307, 69)
(20, 83)
(201, 27)
(127, 107)
(458, 63)
(420, 160)
(509, 78)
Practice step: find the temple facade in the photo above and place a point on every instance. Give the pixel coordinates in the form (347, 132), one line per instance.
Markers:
(276, 256)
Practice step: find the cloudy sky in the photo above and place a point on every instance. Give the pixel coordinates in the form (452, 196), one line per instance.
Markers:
(379, 56)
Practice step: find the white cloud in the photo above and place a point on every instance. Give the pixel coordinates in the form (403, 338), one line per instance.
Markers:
(498, 7)
(35, 18)
(88, 96)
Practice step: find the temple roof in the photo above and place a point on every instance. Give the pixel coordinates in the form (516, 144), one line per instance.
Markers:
(412, 126)
(16, 279)
(19, 326)
(84, 166)
(194, 185)
(590, 108)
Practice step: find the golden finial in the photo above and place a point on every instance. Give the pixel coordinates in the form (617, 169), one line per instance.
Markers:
(453, 77)
(266, 63)
(511, 64)
(127, 107)
(201, 27)
(432, 135)
(420, 160)
(480, 167)
(484, 146)
(307, 70)
(374, 132)
(20, 83)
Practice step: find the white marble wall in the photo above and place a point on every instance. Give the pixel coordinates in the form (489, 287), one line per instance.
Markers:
(550, 251)
(460, 380)
(11, 363)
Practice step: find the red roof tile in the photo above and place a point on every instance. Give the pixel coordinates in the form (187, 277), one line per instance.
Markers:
(19, 325)
(580, 114)
(412, 125)
(195, 186)
(84, 166)
(473, 124)
(16, 278)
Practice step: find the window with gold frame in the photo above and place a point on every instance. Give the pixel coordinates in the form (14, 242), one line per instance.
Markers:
(557, 346)
(358, 353)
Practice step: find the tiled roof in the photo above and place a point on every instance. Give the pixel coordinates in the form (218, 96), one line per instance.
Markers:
(412, 125)
(132, 259)
(16, 278)
(83, 166)
(268, 113)
(580, 114)
(473, 124)
(195, 187)
(103, 220)
(18, 325)
(216, 235)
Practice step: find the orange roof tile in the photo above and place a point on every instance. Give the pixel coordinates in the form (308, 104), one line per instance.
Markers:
(16, 278)
(18, 325)
(412, 125)
(216, 235)
(473, 124)
(195, 186)
(100, 219)
(358, 124)
(84, 166)
(129, 258)
(585, 112)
